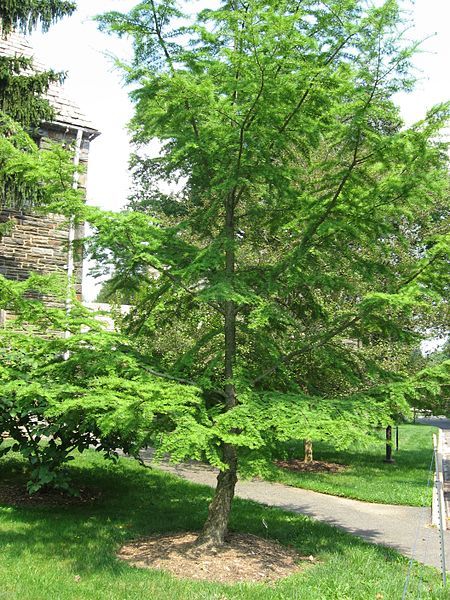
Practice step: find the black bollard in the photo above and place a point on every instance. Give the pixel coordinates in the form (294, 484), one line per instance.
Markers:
(389, 458)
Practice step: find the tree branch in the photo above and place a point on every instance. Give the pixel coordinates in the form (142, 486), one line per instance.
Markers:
(162, 43)
(308, 90)
(318, 342)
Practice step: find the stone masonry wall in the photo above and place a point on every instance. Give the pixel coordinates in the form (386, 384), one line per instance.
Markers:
(39, 244)
(36, 244)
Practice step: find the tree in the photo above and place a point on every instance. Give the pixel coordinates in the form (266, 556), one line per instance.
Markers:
(59, 394)
(434, 383)
(32, 178)
(308, 218)
(21, 89)
(109, 294)
(26, 15)
(27, 177)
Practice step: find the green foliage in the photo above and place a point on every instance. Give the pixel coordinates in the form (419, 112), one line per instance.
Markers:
(109, 294)
(21, 91)
(62, 393)
(6, 227)
(21, 87)
(310, 226)
(26, 177)
(433, 388)
(31, 177)
(27, 15)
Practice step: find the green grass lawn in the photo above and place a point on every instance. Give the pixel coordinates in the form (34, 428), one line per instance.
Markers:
(367, 477)
(68, 552)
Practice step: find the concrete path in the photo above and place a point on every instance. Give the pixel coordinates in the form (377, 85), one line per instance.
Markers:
(405, 528)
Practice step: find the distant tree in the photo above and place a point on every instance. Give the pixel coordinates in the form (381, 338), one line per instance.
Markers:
(308, 218)
(434, 389)
(110, 293)
(27, 15)
(22, 89)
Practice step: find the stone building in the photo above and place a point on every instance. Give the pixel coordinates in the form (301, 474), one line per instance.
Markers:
(36, 243)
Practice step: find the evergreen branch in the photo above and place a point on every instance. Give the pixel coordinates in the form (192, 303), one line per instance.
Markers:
(247, 122)
(165, 272)
(318, 342)
(321, 341)
(180, 284)
(207, 337)
(309, 89)
(181, 380)
(26, 15)
(421, 270)
(163, 45)
(312, 229)
(154, 300)
(167, 376)
(334, 200)
(360, 216)
(237, 74)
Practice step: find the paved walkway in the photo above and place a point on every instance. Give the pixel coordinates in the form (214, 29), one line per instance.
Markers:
(389, 525)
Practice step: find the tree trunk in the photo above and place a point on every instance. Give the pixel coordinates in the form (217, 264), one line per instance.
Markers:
(216, 526)
(308, 452)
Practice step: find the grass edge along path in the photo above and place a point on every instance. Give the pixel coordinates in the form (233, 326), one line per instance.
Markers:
(366, 477)
(69, 552)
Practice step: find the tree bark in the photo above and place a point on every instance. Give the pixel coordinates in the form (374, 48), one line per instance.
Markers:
(216, 526)
(308, 452)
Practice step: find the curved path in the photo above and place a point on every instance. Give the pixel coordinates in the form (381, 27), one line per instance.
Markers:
(405, 528)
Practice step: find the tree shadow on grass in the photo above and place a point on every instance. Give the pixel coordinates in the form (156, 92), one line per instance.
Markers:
(137, 503)
(361, 457)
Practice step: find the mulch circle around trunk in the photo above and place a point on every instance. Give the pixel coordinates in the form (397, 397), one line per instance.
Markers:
(244, 557)
(316, 466)
(16, 495)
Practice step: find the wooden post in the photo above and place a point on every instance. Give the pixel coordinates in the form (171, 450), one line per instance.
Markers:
(389, 458)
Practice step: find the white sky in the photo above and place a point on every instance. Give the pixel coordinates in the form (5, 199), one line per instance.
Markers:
(76, 46)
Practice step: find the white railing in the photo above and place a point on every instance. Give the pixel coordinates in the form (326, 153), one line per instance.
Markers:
(438, 516)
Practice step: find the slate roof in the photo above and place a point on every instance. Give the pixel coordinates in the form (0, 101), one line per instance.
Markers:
(67, 112)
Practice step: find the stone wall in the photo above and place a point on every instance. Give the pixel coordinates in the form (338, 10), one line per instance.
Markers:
(38, 243)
